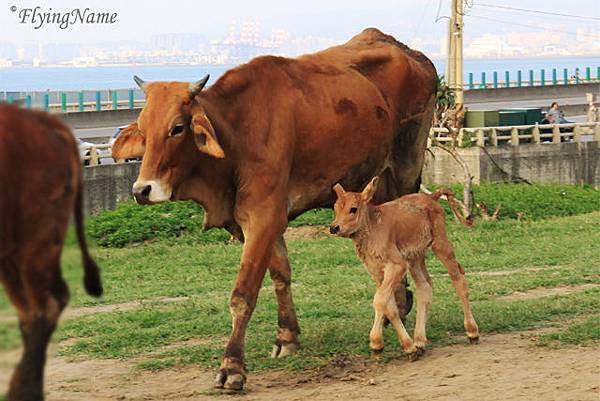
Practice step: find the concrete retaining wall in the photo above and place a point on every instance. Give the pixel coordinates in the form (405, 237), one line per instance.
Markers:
(105, 185)
(564, 163)
(568, 163)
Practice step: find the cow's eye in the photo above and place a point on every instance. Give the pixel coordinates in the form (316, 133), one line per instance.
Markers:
(178, 129)
(353, 210)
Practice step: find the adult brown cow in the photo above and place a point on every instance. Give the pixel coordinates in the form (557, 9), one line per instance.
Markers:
(267, 142)
(40, 187)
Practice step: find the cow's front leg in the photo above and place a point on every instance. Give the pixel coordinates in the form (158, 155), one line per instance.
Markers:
(287, 324)
(261, 235)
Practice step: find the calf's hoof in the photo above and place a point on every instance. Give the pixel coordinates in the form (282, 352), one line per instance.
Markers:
(283, 350)
(420, 351)
(230, 379)
(376, 352)
(412, 356)
(473, 340)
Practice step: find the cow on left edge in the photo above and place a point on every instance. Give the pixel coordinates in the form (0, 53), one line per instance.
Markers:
(40, 186)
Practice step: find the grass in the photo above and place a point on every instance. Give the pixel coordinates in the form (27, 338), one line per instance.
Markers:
(181, 222)
(332, 292)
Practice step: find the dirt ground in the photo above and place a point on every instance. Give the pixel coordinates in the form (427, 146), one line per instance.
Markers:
(501, 367)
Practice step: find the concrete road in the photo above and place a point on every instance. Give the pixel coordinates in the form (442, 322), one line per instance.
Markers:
(95, 135)
(515, 104)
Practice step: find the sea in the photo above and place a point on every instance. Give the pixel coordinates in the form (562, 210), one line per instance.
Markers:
(32, 79)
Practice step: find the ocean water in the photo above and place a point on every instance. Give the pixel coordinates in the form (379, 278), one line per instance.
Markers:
(101, 78)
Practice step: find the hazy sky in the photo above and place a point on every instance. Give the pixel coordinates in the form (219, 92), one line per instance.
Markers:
(337, 19)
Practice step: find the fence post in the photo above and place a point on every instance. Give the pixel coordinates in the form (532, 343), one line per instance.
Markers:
(46, 101)
(531, 78)
(471, 84)
(93, 156)
(597, 132)
(114, 99)
(576, 134)
(555, 134)
(494, 138)
(480, 137)
(495, 79)
(10, 99)
(577, 75)
(28, 101)
(507, 79)
(554, 77)
(80, 100)
(514, 136)
(483, 83)
(63, 102)
(566, 76)
(131, 99)
(588, 74)
(598, 74)
(543, 77)
(535, 134)
(519, 78)
(98, 101)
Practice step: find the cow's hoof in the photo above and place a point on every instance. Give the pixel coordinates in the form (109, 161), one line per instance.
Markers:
(413, 356)
(376, 353)
(420, 351)
(282, 350)
(474, 340)
(230, 379)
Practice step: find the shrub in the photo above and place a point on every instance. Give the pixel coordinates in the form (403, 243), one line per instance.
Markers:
(131, 223)
(182, 221)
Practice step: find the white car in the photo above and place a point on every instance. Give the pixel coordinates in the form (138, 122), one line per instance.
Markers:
(85, 149)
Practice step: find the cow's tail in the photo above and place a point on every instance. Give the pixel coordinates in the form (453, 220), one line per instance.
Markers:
(454, 205)
(91, 280)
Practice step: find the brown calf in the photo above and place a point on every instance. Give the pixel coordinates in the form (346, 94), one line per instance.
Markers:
(40, 186)
(392, 238)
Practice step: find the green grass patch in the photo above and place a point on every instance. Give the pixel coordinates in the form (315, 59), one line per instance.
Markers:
(581, 333)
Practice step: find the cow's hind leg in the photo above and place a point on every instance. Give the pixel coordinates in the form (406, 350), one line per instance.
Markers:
(442, 247)
(424, 295)
(45, 294)
(287, 327)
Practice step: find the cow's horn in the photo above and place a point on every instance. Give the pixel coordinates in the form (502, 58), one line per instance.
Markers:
(196, 87)
(140, 82)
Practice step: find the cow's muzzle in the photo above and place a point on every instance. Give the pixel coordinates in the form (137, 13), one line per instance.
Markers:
(334, 229)
(142, 194)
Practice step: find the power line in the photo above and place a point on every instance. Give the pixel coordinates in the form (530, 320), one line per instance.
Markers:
(538, 11)
(534, 26)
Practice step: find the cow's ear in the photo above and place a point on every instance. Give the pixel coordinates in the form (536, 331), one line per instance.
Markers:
(204, 136)
(369, 191)
(130, 143)
(339, 190)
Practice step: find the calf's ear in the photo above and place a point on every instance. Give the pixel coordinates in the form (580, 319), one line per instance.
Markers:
(339, 190)
(369, 191)
(205, 137)
(130, 143)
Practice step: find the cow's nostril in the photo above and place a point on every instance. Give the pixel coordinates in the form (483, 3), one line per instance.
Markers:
(334, 229)
(142, 194)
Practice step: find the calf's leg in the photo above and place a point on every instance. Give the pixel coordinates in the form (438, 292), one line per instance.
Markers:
(442, 247)
(288, 329)
(384, 300)
(424, 295)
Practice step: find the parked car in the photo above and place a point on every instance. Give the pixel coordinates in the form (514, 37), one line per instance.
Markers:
(84, 150)
(113, 138)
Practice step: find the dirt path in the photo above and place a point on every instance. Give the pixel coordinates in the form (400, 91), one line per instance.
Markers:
(501, 367)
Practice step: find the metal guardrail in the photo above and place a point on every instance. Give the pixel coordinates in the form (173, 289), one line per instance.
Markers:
(516, 134)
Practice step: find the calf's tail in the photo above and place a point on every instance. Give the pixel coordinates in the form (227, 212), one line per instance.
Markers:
(92, 282)
(454, 205)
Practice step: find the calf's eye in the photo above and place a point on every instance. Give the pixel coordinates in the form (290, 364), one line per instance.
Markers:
(353, 210)
(178, 129)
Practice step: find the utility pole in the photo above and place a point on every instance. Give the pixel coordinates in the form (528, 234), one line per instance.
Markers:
(454, 64)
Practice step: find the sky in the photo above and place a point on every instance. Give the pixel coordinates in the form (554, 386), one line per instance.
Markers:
(335, 19)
